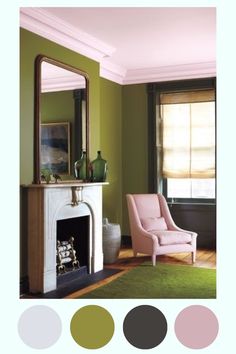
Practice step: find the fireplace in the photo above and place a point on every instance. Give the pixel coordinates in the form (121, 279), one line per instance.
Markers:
(56, 212)
(72, 248)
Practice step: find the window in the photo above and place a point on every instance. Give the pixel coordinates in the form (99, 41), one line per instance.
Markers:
(185, 140)
(194, 188)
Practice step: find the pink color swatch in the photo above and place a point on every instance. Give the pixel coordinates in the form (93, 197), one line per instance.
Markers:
(196, 327)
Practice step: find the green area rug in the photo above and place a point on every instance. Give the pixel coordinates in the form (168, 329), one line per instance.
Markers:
(164, 281)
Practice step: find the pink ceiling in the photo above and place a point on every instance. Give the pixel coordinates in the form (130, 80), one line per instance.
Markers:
(148, 37)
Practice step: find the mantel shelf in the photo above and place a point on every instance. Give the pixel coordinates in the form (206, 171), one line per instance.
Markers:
(65, 184)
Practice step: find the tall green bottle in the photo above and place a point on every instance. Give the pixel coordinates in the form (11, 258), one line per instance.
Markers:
(81, 167)
(99, 169)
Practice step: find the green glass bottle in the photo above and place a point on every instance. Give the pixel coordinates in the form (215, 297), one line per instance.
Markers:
(81, 167)
(99, 169)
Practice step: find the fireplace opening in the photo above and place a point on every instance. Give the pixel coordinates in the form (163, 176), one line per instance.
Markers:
(72, 248)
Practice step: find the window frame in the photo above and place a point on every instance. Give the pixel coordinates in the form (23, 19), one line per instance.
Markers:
(157, 183)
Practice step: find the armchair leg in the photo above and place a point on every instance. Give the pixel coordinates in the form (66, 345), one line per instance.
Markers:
(153, 259)
(193, 257)
(135, 253)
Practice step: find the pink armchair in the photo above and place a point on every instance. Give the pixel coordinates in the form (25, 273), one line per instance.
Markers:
(153, 230)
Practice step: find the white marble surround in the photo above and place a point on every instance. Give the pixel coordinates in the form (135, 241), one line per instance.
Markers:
(48, 203)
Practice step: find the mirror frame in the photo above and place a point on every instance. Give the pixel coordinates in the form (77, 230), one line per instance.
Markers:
(37, 109)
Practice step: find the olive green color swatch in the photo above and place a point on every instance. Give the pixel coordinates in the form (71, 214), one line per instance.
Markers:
(92, 327)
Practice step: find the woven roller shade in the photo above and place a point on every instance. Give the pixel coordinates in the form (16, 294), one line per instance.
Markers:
(188, 97)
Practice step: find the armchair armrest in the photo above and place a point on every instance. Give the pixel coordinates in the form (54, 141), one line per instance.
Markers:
(140, 231)
(145, 240)
(177, 228)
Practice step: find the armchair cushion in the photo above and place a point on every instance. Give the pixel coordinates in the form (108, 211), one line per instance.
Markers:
(172, 237)
(153, 223)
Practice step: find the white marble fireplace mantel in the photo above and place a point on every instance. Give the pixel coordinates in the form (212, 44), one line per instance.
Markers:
(48, 203)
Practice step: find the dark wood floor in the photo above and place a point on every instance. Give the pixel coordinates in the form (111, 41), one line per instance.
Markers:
(126, 261)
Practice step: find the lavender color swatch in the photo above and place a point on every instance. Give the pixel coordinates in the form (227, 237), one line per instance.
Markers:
(39, 327)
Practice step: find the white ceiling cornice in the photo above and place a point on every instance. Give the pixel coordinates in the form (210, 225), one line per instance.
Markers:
(51, 27)
(168, 73)
(44, 24)
(112, 72)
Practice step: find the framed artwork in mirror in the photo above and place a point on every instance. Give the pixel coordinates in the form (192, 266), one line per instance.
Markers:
(55, 148)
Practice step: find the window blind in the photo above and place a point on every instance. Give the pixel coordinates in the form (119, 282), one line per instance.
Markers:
(188, 97)
(188, 134)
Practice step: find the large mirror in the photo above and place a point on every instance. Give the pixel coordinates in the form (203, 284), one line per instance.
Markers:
(61, 119)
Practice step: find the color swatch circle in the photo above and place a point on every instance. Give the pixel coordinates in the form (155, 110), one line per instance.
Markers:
(196, 327)
(92, 327)
(145, 327)
(39, 327)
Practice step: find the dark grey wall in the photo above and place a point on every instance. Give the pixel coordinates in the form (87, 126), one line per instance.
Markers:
(197, 218)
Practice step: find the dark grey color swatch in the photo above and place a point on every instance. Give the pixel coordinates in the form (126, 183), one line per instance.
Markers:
(145, 327)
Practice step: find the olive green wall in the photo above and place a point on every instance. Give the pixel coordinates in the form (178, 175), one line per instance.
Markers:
(111, 132)
(134, 145)
(124, 143)
(57, 107)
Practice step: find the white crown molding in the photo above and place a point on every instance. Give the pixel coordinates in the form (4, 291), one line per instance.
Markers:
(51, 27)
(112, 72)
(169, 73)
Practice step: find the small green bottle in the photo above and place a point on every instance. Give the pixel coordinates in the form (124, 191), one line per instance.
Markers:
(99, 169)
(81, 167)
